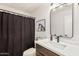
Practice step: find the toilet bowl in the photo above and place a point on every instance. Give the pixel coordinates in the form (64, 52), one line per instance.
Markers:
(29, 52)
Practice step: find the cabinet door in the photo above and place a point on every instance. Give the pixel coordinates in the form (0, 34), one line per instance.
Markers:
(18, 35)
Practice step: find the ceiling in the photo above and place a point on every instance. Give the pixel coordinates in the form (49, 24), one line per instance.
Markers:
(26, 7)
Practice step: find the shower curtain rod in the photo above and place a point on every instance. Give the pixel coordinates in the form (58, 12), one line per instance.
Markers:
(2, 10)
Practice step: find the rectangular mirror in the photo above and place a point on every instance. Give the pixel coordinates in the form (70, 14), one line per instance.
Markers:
(68, 25)
(61, 20)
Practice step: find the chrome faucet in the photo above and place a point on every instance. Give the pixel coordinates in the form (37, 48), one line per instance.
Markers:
(51, 37)
(58, 37)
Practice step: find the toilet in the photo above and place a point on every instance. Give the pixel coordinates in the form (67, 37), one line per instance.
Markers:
(29, 52)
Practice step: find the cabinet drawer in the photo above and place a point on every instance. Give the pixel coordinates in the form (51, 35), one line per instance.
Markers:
(44, 52)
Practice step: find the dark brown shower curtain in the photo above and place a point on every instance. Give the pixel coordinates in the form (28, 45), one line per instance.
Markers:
(4, 33)
(16, 34)
(27, 34)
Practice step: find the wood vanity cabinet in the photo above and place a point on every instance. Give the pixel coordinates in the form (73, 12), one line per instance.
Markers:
(41, 51)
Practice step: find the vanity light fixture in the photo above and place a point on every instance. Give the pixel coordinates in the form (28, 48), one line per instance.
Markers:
(55, 6)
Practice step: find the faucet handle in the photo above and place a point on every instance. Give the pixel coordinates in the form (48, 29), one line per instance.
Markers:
(58, 38)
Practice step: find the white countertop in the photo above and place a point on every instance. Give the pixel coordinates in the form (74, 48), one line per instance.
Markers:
(59, 48)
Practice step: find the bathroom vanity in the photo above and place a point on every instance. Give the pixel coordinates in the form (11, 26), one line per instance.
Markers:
(45, 47)
(42, 51)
